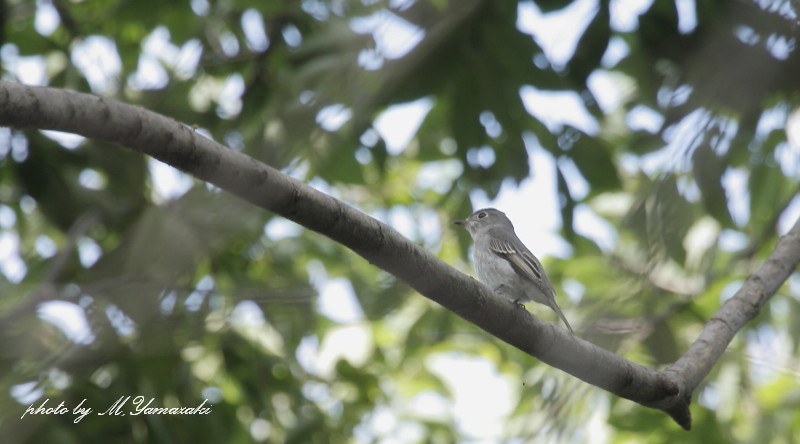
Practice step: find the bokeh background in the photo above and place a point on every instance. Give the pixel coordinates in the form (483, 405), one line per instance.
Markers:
(647, 151)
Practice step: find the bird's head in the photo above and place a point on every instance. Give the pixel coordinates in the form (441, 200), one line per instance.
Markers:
(484, 219)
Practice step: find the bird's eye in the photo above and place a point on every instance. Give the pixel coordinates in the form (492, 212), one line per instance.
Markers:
(481, 215)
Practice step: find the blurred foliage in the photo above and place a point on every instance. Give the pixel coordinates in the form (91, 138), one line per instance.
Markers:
(686, 165)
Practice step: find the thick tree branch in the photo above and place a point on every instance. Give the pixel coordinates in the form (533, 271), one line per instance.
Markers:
(745, 305)
(176, 144)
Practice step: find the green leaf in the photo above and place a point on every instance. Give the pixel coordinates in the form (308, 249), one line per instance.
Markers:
(707, 171)
(567, 204)
(592, 45)
(594, 161)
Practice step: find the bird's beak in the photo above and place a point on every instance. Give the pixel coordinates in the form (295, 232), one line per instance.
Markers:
(462, 223)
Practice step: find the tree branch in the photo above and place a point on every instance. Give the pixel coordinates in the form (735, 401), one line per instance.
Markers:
(177, 145)
(745, 305)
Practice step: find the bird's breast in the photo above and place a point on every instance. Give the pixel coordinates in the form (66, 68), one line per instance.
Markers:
(497, 274)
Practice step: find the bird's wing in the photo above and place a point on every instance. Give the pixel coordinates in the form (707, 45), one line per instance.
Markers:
(526, 265)
(521, 259)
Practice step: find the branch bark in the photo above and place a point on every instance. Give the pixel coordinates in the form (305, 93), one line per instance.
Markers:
(178, 145)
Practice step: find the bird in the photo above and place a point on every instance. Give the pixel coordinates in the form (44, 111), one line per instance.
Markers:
(504, 264)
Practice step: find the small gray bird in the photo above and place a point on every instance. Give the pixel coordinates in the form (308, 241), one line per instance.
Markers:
(504, 264)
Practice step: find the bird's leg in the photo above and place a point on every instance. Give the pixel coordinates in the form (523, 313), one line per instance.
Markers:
(513, 301)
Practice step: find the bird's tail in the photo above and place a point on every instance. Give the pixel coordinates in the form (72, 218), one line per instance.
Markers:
(555, 308)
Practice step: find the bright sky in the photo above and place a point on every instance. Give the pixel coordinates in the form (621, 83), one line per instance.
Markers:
(532, 206)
